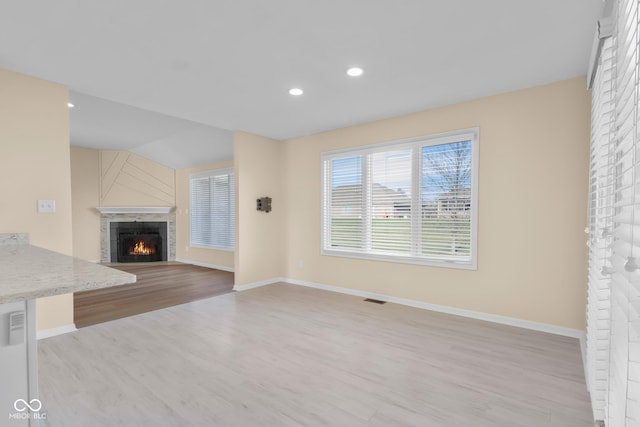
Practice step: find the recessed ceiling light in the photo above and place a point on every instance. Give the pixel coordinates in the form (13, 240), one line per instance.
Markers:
(296, 91)
(70, 105)
(355, 71)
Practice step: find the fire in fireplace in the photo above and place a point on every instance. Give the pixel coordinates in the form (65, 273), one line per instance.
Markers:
(139, 241)
(141, 248)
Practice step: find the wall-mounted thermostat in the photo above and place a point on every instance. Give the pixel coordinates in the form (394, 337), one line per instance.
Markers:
(16, 327)
(263, 204)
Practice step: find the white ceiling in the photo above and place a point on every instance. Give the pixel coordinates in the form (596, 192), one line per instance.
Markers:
(228, 65)
(101, 124)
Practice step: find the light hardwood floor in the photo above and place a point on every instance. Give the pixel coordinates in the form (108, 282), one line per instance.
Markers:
(283, 355)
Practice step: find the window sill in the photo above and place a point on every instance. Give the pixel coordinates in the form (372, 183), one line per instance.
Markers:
(458, 265)
(215, 248)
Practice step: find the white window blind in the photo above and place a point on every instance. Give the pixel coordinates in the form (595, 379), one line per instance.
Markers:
(614, 292)
(409, 201)
(624, 368)
(600, 233)
(213, 209)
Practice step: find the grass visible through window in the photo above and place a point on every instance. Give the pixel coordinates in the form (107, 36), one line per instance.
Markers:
(440, 236)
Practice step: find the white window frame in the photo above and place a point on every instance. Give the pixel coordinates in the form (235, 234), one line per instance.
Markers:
(210, 174)
(469, 134)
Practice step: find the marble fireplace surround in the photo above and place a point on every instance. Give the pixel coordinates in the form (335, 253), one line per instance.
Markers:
(109, 214)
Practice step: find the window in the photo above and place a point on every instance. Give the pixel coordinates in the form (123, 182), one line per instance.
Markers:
(213, 209)
(604, 180)
(409, 201)
(613, 321)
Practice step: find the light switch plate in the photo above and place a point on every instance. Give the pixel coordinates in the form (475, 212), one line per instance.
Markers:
(46, 206)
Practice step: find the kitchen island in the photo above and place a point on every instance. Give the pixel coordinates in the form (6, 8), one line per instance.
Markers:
(28, 272)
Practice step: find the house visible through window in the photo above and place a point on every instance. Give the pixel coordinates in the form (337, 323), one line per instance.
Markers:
(410, 201)
(213, 209)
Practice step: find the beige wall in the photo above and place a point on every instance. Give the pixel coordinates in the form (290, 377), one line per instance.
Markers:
(533, 184)
(85, 196)
(112, 178)
(127, 179)
(260, 236)
(34, 164)
(184, 251)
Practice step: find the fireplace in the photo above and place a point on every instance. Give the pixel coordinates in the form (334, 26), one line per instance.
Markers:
(114, 217)
(135, 241)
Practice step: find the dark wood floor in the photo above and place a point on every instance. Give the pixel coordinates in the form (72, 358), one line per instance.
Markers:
(159, 285)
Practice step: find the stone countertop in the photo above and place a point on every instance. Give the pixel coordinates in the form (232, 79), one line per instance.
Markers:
(28, 272)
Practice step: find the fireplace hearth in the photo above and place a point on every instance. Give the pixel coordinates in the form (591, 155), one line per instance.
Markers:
(138, 241)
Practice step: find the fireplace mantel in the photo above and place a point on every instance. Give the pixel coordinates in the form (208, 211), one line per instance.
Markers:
(135, 209)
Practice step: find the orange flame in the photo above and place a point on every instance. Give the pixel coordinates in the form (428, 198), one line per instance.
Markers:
(141, 249)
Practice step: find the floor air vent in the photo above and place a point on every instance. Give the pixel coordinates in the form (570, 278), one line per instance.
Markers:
(375, 301)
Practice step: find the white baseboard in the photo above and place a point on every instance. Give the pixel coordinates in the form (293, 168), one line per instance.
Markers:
(504, 320)
(204, 264)
(47, 333)
(253, 285)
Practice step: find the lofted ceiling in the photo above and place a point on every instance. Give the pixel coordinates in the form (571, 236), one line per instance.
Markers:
(172, 79)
